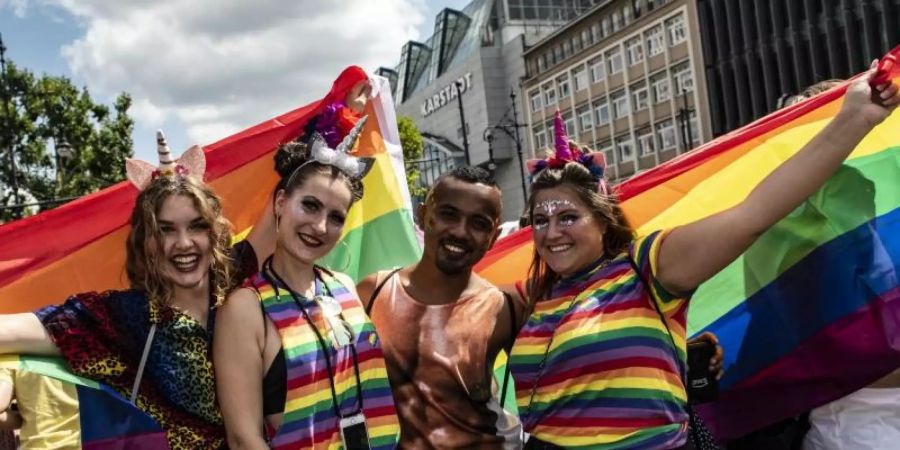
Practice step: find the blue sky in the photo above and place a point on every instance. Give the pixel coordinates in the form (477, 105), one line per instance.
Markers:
(202, 91)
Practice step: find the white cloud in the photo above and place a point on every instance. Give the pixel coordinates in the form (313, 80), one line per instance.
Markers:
(18, 7)
(217, 66)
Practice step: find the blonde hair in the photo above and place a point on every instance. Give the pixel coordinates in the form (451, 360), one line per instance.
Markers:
(144, 245)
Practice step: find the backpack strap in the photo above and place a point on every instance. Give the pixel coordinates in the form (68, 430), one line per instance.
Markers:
(513, 322)
(378, 286)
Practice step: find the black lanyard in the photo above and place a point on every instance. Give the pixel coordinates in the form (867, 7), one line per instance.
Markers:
(267, 269)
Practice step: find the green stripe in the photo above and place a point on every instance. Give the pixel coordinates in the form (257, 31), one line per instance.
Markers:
(53, 367)
(386, 242)
(847, 200)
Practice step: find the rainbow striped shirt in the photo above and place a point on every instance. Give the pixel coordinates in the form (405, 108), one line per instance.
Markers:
(309, 418)
(610, 379)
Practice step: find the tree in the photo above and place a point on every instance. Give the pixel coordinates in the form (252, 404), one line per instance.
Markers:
(413, 147)
(65, 144)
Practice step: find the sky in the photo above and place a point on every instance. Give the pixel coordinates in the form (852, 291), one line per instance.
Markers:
(202, 70)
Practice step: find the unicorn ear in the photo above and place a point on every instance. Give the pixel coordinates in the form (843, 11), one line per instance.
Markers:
(366, 165)
(139, 173)
(598, 159)
(532, 165)
(194, 160)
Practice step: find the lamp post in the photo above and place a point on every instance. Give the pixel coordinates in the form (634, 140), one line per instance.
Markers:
(10, 152)
(512, 98)
(684, 114)
(462, 120)
(488, 137)
(64, 153)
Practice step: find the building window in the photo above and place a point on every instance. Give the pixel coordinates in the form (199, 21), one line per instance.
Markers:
(614, 61)
(625, 148)
(536, 103)
(580, 77)
(607, 26)
(586, 38)
(562, 86)
(655, 41)
(616, 21)
(549, 95)
(695, 129)
(637, 8)
(585, 119)
(619, 104)
(607, 148)
(570, 125)
(576, 43)
(542, 63)
(639, 97)
(598, 71)
(677, 33)
(684, 81)
(558, 54)
(645, 141)
(601, 111)
(540, 140)
(595, 33)
(665, 135)
(567, 48)
(634, 50)
(626, 14)
(660, 88)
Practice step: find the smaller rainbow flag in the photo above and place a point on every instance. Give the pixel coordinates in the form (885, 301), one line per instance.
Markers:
(107, 421)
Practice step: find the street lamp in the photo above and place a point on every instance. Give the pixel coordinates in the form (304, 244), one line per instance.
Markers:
(462, 120)
(489, 138)
(64, 153)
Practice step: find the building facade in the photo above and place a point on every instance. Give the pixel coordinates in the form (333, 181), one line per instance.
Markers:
(627, 77)
(758, 52)
(471, 68)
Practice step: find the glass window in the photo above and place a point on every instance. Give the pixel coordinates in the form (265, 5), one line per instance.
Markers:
(661, 91)
(655, 43)
(540, 140)
(626, 14)
(567, 48)
(549, 95)
(619, 104)
(614, 61)
(601, 111)
(639, 97)
(536, 103)
(634, 50)
(595, 33)
(580, 77)
(677, 32)
(570, 125)
(585, 119)
(586, 37)
(562, 86)
(576, 43)
(636, 4)
(684, 81)
(607, 26)
(645, 141)
(695, 129)
(616, 21)
(665, 135)
(625, 148)
(598, 70)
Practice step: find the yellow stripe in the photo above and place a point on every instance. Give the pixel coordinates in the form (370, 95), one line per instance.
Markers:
(554, 392)
(341, 387)
(732, 184)
(381, 197)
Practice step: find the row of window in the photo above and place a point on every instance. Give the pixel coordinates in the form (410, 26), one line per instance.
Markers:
(640, 94)
(664, 139)
(608, 62)
(609, 24)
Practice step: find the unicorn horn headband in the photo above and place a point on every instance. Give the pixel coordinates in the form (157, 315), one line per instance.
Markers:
(567, 151)
(142, 173)
(340, 157)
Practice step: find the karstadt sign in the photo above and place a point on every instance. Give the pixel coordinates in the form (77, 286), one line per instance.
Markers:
(446, 95)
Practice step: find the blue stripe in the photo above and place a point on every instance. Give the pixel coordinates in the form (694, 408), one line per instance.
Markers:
(104, 414)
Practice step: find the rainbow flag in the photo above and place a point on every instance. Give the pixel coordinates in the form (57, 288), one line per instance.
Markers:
(106, 420)
(80, 246)
(811, 312)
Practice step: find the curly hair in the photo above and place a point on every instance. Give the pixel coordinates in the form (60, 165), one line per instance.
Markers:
(292, 162)
(605, 209)
(144, 244)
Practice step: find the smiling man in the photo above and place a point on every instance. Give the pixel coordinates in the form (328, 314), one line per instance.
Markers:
(442, 326)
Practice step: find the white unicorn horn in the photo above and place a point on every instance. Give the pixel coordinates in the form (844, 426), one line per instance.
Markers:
(166, 163)
(347, 144)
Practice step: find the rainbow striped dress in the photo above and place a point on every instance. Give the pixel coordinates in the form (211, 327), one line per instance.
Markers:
(610, 379)
(309, 416)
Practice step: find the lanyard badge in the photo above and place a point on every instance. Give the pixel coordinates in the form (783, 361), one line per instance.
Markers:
(340, 331)
(354, 433)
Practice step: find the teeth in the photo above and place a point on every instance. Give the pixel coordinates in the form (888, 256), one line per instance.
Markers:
(453, 248)
(309, 240)
(560, 248)
(185, 259)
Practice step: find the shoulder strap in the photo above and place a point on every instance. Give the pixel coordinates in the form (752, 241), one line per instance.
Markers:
(662, 317)
(512, 332)
(378, 290)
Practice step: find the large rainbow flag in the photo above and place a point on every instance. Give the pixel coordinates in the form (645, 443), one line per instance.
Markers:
(80, 246)
(811, 312)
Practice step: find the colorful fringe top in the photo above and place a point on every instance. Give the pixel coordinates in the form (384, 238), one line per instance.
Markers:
(309, 416)
(610, 379)
(102, 335)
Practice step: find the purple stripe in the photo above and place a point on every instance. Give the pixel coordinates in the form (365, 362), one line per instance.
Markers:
(148, 441)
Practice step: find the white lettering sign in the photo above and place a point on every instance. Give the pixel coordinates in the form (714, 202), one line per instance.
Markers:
(447, 94)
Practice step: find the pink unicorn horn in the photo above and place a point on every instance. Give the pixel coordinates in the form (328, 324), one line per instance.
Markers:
(562, 141)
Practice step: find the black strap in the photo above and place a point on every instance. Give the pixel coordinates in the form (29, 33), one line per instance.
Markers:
(378, 290)
(513, 331)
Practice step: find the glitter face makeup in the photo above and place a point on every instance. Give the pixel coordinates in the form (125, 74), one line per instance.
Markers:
(548, 207)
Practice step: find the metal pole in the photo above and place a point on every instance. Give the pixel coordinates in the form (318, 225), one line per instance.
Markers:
(462, 121)
(512, 96)
(11, 150)
(687, 120)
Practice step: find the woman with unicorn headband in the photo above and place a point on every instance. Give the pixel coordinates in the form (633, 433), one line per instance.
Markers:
(152, 342)
(298, 363)
(600, 362)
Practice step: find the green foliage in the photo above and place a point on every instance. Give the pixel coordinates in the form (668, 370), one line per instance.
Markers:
(40, 115)
(413, 147)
